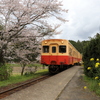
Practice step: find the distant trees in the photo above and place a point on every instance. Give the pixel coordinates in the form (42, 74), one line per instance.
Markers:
(92, 50)
(79, 45)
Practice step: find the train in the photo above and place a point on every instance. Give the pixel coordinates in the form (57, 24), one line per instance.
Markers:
(59, 54)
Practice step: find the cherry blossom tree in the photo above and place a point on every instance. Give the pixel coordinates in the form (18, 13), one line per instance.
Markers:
(26, 18)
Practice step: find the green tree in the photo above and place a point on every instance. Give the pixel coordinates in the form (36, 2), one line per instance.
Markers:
(92, 50)
(79, 45)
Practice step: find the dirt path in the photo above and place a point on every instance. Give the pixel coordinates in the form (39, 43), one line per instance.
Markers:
(75, 91)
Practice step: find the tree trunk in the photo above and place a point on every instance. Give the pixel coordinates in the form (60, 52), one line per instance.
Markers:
(1, 59)
(23, 67)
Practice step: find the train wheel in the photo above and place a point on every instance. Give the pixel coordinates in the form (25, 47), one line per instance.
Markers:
(53, 69)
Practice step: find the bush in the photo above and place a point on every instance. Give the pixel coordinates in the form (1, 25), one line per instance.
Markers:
(93, 85)
(92, 50)
(93, 70)
(5, 72)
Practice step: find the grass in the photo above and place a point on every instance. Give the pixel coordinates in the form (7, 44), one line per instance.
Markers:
(39, 65)
(13, 64)
(17, 78)
(93, 85)
(18, 64)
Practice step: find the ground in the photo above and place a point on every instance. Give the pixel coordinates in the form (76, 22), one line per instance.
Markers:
(75, 89)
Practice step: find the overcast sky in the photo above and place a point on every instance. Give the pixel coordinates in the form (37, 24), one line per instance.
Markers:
(84, 19)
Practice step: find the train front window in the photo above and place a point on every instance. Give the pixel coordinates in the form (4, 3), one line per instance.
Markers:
(45, 49)
(53, 49)
(62, 49)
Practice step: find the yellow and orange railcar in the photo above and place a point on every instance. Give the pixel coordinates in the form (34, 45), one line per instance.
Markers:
(58, 54)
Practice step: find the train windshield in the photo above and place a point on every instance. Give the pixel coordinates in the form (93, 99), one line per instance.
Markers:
(62, 49)
(45, 49)
(53, 49)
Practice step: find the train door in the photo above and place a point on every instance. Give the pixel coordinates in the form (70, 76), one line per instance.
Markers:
(53, 54)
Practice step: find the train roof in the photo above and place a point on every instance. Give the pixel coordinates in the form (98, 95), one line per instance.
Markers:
(61, 40)
(55, 39)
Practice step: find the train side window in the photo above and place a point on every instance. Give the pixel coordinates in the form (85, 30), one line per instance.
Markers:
(53, 49)
(45, 49)
(70, 51)
(62, 49)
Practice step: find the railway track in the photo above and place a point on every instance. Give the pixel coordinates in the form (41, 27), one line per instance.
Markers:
(12, 90)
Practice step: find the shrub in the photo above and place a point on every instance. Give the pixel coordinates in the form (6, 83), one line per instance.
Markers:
(90, 55)
(93, 70)
(5, 72)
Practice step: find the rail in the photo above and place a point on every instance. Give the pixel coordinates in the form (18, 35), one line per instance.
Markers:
(22, 86)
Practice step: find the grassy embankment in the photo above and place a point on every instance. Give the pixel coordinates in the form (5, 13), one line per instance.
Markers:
(93, 85)
(16, 78)
(92, 75)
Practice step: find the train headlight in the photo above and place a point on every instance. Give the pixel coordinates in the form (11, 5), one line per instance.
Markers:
(45, 42)
(62, 42)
